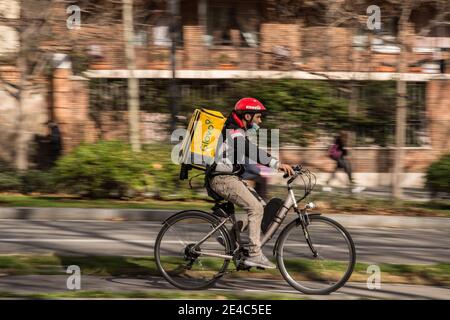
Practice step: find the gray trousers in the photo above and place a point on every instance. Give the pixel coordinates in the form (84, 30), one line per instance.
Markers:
(232, 189)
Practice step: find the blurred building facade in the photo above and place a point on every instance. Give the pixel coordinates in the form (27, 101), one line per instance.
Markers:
(224, 40)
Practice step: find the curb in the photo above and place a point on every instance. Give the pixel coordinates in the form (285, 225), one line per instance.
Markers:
(27, 213)
(55, 214)
(400, 222)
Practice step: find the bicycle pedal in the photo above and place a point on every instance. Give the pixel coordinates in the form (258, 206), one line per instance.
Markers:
(243, 267)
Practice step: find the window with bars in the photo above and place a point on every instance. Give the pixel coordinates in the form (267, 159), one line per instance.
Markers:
(376, 114)
(234, 23)
(373, 121)
(416, 133)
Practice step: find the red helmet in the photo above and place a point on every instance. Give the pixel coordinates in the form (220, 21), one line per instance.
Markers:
(249, 105)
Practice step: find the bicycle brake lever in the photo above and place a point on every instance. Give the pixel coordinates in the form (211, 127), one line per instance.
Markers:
(297, 169)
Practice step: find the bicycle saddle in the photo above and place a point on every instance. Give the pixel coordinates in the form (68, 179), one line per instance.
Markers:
(223, 209)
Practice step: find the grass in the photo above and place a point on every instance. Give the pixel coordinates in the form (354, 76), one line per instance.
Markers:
(327, 203)
(435, 274)
(191, 295)
(336, 204)
(55, 201)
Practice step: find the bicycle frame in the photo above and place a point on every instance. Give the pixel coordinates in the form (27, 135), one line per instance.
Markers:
(289, 203)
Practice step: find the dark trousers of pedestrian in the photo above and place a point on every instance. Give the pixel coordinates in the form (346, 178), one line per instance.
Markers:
(344, 164)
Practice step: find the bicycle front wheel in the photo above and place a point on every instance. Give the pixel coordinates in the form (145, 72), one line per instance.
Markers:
(182, 264)
(321, 264)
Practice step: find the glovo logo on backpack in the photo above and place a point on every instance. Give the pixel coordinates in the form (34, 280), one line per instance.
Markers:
(200, 143)
(209, 137)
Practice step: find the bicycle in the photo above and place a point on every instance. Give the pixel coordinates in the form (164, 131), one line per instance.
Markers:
(314, 254)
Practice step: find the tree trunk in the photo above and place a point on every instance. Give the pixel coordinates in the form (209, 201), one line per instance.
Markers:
(173, 8)
(400, 130)
(133, 82)
(21, 156)
(354, 95)
(353, 111)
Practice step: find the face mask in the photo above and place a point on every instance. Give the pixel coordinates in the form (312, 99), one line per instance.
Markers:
(254, 127)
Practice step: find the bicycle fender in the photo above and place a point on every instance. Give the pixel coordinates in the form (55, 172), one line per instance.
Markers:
(297, 221)
(181, 212)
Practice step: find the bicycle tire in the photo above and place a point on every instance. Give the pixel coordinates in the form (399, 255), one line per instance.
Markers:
(289, 278)
(176, 219)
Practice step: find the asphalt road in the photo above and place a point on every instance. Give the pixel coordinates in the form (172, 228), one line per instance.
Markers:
(136, 238)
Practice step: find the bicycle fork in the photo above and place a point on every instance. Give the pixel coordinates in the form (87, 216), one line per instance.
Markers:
(304, 222)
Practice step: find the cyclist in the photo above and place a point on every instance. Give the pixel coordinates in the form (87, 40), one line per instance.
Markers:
(253, 172)
(224, 176)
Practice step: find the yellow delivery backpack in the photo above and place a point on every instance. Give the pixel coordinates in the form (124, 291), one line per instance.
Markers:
(198, 148)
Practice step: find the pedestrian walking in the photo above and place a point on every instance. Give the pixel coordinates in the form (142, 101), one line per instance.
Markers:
(339, 153)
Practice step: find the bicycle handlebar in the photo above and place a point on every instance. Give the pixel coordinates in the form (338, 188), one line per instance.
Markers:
(297, 169)
(308, 178)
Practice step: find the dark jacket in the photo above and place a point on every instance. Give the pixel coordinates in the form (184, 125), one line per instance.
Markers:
(237, 150)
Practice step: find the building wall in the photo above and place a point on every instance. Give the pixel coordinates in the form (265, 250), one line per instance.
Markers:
(311, 48)
(72, 112)
(373, 166)
(9, 38)
(438, 113)
(274, 36)
(314, 48)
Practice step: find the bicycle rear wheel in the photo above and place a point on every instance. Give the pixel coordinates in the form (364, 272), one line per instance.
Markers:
(176, 259)
(323, 272)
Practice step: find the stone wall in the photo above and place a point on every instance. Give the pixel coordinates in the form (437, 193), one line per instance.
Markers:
(275, 39)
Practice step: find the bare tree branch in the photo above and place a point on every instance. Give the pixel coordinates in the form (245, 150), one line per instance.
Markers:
(438, 20)
(9, 87)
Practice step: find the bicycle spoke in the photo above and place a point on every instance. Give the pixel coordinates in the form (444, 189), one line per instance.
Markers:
(316, 274)
(185, 239)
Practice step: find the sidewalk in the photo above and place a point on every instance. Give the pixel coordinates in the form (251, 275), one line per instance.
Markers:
(409, 194)
(55, 214)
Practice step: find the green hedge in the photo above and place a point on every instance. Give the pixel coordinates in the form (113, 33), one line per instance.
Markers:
(438, 175)
(164, 174)
(107, 169)
(29, 181)
(38, 181)
(110, 169)
(9, 182)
